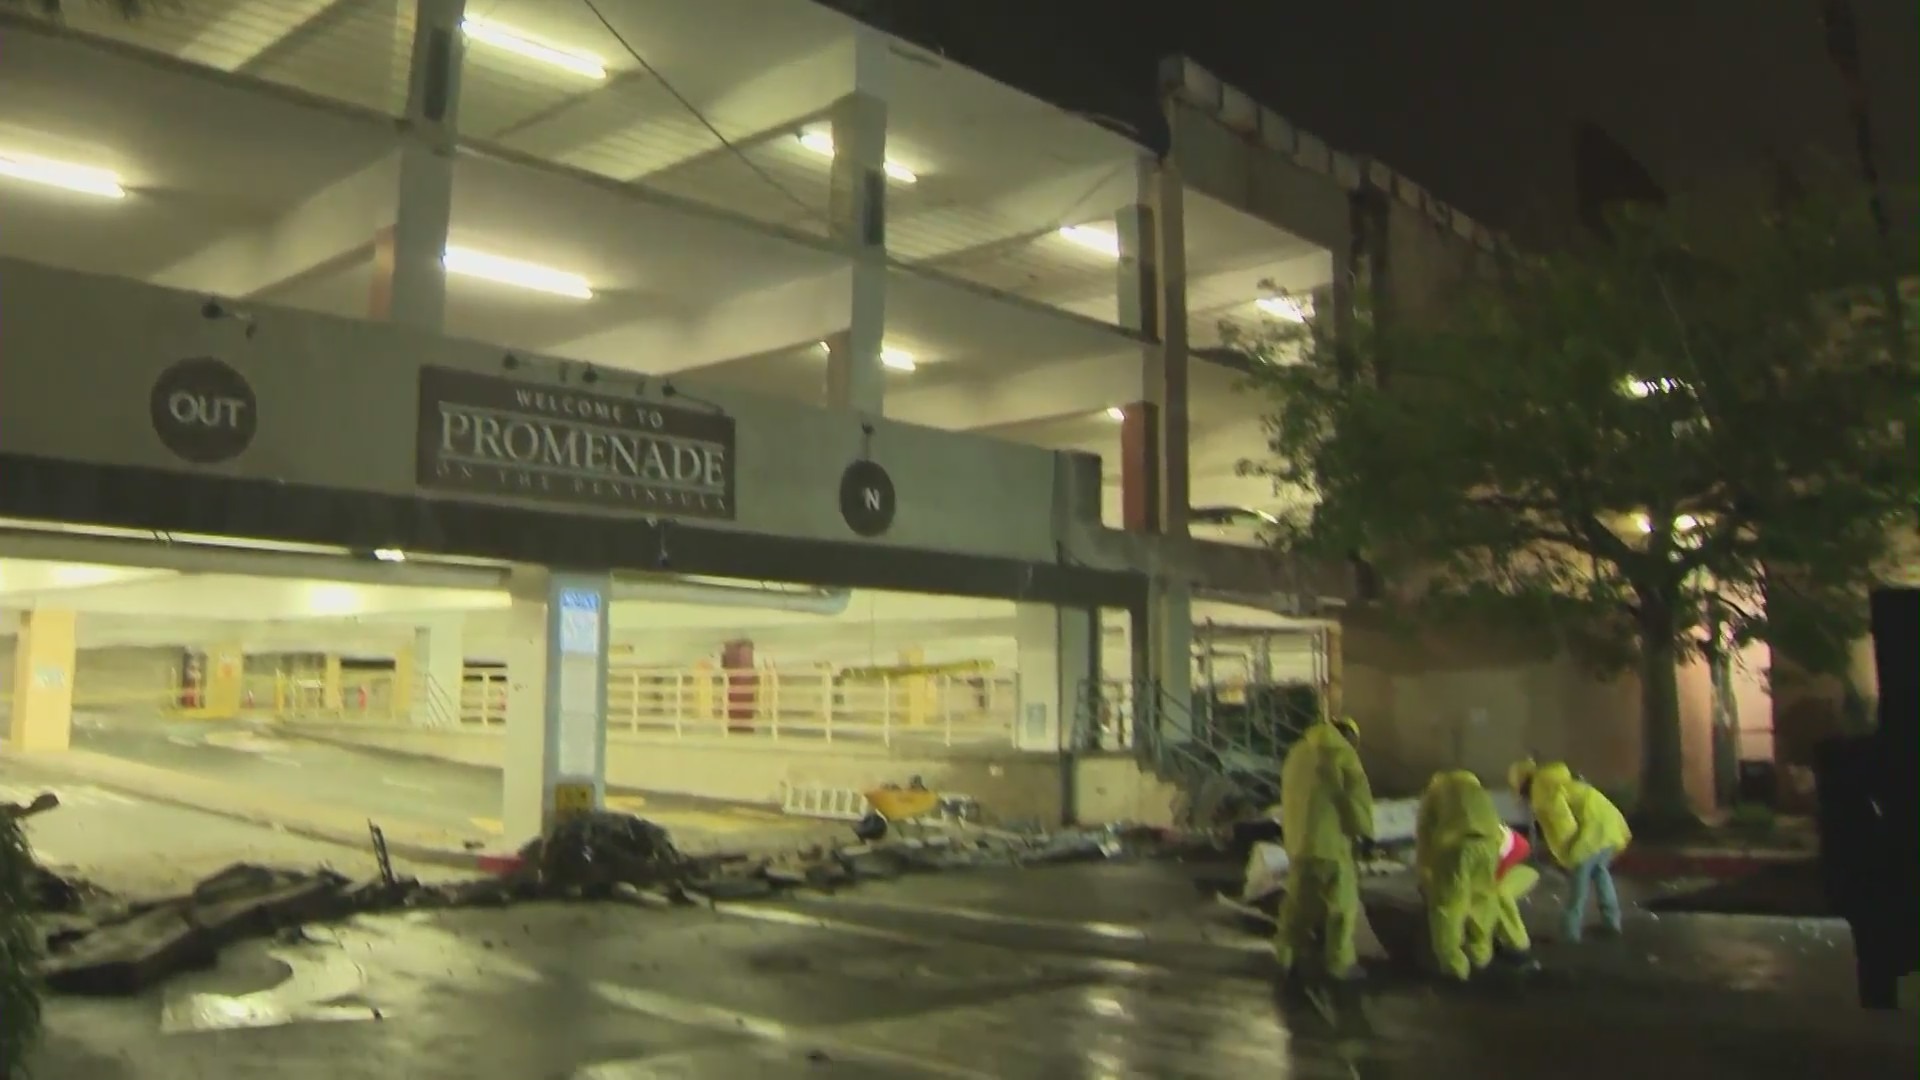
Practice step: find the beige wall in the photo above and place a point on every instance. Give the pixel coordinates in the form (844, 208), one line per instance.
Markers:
(125, 677)
(1010, 786)
(1482, 700)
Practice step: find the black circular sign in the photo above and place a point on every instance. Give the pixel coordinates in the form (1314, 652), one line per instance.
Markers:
(866, 498)
(204, 410)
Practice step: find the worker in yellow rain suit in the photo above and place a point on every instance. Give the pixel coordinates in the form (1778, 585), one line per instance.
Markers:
(1459, 841)
(1326, 809)
(1583, 830)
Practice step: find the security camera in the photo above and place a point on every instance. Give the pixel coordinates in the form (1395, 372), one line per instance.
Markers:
(213, 309)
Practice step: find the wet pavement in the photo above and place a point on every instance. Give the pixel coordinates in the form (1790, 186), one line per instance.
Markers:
(1101, 971)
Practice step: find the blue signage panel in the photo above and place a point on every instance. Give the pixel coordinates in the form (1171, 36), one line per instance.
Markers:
(580, 622)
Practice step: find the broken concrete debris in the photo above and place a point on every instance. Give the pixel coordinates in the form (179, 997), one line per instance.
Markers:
(97, 945)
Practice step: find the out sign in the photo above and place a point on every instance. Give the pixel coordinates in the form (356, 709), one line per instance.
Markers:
(203, 411)
(867, 498)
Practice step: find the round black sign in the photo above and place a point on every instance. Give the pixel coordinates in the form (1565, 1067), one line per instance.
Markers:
(866, 498)
(203, 410)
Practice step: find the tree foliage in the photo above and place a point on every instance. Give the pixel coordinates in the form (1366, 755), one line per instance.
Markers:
(20, 949)
(1655, 442)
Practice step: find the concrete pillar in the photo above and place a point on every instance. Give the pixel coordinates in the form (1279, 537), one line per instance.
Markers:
(1153, 302)
(43, 659)
(226, 680)
(1058, 654)
(857, 214)
(1154, 433)
(331, 694)
(409, 279)
(556, 738)
(440, 668)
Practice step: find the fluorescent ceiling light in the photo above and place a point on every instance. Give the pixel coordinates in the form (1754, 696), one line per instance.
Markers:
(492, 33)
(1101, 240)
(1116, 413)
(822, 143)
(897, 359)
(60, 174)
(1284, 308)
(525, 275)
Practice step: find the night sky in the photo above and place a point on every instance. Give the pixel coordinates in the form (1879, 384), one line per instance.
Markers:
(1475, 100)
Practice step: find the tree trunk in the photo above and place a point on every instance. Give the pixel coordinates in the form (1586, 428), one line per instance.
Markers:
(1663, 789)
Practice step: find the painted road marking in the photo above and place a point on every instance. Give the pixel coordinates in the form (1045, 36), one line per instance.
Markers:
(680, 1010)
(786, 917)
(1114, 931)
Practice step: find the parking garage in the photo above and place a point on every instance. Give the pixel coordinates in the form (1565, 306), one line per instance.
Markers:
(374, 414)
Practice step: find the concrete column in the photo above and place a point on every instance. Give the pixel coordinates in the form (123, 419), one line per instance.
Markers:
(857, 214)
(226, 680)
(330, 683)
(1173, 656)
(1058, 653)
(43, 659)
(409, 279)
(440, 667)
(556, 738)
(1153, 302)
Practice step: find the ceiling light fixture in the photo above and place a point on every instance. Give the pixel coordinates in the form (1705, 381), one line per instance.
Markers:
(1284, 308)
(822, 143)
(896, 359)
(1116, 414)
(389, 555)
(525, 275)
(492, 33)
(60, 174)
(1103, 241)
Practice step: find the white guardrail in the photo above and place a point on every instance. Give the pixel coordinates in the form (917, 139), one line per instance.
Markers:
(773, 704)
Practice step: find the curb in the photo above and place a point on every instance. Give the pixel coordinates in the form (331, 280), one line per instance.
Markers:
(1712, 864)
(359, 839)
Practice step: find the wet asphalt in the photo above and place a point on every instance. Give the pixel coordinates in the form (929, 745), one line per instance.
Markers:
(1102, 971)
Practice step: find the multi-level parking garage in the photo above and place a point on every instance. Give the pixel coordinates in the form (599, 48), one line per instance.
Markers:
(660, 403)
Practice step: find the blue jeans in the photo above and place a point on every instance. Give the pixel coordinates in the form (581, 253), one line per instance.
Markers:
(1596, 876)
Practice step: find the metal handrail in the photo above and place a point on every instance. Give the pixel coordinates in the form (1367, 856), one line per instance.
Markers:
(769, 703)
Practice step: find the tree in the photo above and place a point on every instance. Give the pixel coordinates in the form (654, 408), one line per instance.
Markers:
(19, 950)
(1686, 435)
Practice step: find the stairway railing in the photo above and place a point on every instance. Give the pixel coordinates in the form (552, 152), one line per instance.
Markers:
(1224, 764)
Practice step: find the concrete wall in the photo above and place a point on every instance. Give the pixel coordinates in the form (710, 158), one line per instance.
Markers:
(1481, 700)
(124, 676)
(1010, 786)
(83, 353)
(110, 677)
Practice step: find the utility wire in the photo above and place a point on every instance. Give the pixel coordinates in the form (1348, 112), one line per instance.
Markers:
(694, 111)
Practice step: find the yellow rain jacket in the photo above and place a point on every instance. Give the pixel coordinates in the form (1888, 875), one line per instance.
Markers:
(1326, 805)
(1325, 801)
(1576, 821)
(1457, 841)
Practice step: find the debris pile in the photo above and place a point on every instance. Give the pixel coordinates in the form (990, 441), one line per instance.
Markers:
(97, 945)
